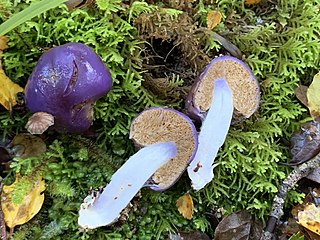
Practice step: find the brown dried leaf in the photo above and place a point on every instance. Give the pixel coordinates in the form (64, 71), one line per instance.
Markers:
(185, 206)
(3, 43)
(305, 144)
(251, 2)
(301, 94)
(74, 4)
(189, 236)
(213, 18)
(27, 145)
(230, 47)
(315, 175)
(239, 225)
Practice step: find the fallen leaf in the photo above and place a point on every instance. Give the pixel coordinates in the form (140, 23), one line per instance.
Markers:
(309, 218)
(17, 214)
(213, 18)
(305, 144)
(314, 175)
(301, 94)
(239, 225)
(8, 91)
(230, 47)
(313, 95)
(3, 43)
(287, 228)
(251, 2)
(27, 145)
(73, 4)
(293, 226)
(185, 206)
(188, 235)
(5, 159)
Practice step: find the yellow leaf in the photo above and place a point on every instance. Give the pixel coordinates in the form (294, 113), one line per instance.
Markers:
(8, 91)
(251, 2)
(3, 45)
(185, 206)
(313, 95)
(310, 218)
(213, 19)
(3, 42)
(31, 204)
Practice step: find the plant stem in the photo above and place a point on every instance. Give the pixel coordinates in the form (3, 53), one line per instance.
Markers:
(298, 173)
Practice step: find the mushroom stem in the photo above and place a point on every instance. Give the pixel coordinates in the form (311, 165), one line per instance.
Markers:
(104, 209)
(212, 135)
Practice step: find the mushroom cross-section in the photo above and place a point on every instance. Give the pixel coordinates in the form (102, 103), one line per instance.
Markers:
(244, 86)
(104, 208)
(161, 124)
(226, 88)
(65, 83)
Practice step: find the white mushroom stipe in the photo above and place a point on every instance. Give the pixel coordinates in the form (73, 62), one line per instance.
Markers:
(212, 135)
(105, 208)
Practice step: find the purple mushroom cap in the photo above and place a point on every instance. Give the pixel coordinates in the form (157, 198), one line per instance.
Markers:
(66, 82)
(243, 83)
(160, 124)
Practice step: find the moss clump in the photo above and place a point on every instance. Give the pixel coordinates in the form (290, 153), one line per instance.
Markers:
(280, 44)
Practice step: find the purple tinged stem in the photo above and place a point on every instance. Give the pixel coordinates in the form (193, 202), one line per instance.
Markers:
(212, 135)
(124, 185)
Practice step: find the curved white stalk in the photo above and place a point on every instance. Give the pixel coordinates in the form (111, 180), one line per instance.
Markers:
(212, 135)
(105, 208)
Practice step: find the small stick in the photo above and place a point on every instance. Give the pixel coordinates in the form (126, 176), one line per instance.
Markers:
(3, 230)
(298, 173)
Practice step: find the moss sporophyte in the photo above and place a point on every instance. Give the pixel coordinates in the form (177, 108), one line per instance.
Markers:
(154, 52)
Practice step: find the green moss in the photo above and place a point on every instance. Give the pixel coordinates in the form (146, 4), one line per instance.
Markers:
(283, 51)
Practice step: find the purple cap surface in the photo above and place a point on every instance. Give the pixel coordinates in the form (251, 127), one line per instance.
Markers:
(66, 81)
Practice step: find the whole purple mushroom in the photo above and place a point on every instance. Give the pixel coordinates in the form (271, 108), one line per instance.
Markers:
(65, 83)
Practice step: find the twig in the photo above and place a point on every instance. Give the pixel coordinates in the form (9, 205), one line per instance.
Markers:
(3, 230)
(298, 173)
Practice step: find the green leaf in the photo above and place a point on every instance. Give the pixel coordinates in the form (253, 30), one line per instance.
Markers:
(297, 236)
(32, 11)
(313, 95)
